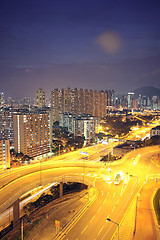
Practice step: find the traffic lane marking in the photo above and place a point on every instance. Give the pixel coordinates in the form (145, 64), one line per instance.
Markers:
(84, 229)
(99, 209)
(100, 230)
(92, 218)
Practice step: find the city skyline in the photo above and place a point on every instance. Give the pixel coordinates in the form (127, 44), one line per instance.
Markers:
(96, 45)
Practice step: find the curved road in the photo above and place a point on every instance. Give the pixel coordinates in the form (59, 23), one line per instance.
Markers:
(112, 201)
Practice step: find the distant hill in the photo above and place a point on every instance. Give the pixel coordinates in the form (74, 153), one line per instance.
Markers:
(147, 91)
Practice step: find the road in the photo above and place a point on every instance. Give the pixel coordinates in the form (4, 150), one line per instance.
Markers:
(145, 229)
(112, 201)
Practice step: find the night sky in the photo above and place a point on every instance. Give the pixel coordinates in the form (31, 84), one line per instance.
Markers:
(97, 44)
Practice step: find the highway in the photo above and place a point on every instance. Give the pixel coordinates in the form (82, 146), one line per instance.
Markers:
(112, 200)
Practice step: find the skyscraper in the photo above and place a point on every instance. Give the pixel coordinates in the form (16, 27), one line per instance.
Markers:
(82, 101)
(4, 153)
(155, 102)
(55, 104)
(40, 98)
(110, 98)
(130, 98)
(6, 124)
(1, 99)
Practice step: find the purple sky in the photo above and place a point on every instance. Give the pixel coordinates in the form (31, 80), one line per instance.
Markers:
(98, 44)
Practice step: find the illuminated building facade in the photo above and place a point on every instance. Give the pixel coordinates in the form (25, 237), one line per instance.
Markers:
(155, 105)
(31, 133)
(155, 131)
(40, 98)
(4, 153)
(83, 125)
(1, 99)
(135, 104)
(82, 101)
(130, 99)
(110, 98)
(6, 124)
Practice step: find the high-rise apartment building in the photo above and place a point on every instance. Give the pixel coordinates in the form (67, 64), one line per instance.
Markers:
(155, 102)
(86, 126)
(75, 101)
(82, 101)
(55, 104)
(31, 133)
(146, 103)
(80, 125)
(6, 124)
(67, 121)
(1, 99)
(110, 98)
(135, 104)
(130, 99)
(4, 153)
(40, 98)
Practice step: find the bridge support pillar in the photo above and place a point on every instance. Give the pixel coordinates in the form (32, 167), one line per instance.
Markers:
(16, 219)
(61, 189)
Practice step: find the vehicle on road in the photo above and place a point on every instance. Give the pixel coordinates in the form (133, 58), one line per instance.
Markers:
(117, 179)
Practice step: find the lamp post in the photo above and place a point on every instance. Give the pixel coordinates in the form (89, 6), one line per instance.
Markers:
(22, 229)
(59, 149)
(134, 176)
(40, 172)
(108, 219)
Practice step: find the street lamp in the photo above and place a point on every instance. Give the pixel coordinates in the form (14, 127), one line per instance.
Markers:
(22, 231)
(134, 176)
(108, 219)
(59, 149)
(40, 172)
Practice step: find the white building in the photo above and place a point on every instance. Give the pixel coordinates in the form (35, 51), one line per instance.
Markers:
(4, 154)
(155, 131)
(130, 99)
(84, 125)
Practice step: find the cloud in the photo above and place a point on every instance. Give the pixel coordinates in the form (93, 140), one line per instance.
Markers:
(156, 72)
(28, 70)
(151, 74)
(110, 41)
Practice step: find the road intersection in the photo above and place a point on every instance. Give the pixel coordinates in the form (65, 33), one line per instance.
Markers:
(112, 201)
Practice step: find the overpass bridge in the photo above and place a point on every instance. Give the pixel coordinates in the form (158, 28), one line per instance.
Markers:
(13, 184)
(66, 171)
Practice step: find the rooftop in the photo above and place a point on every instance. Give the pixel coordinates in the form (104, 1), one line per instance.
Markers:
(156, 128)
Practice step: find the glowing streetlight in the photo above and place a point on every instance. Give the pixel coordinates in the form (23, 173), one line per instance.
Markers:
(134, 176)
(40, 172)
(108, 219)
(59, 149)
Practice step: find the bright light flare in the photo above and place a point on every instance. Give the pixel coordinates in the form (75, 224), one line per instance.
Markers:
(108, 178)
(121, 173)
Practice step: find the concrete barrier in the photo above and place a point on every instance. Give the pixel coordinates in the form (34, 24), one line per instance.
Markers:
(63, 178)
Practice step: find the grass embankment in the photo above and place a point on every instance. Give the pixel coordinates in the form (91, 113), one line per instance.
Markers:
(156, 203)
(109, 158)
